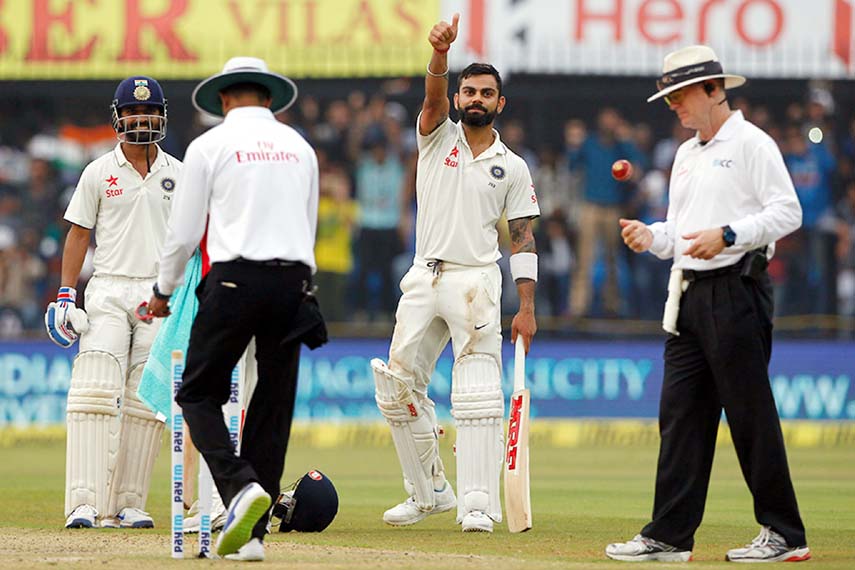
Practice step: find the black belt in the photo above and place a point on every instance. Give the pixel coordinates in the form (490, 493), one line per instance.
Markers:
(697, 275)
(268, 262)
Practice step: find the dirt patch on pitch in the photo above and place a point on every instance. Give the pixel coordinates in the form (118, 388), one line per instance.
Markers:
(125, 549)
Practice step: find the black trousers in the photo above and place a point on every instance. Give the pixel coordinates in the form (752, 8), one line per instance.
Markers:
(237, 301)
(720, 360)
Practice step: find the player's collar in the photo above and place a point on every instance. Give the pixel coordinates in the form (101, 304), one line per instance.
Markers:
(159, 158)
(497, 147)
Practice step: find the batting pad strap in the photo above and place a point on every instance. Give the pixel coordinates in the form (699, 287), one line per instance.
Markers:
(524, 266)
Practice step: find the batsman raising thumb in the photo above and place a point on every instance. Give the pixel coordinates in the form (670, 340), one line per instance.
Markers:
(443, 34)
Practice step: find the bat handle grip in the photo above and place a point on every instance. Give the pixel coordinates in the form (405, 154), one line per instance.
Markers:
(519, 364)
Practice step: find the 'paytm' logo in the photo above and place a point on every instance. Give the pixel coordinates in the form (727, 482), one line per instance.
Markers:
(722, 162)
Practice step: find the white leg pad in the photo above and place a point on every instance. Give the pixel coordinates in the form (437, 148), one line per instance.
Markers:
(413, 424)
(478, 407)
(92, 418)
(139, 445)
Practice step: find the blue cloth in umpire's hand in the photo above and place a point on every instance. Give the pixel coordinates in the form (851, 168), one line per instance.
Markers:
(155, 388)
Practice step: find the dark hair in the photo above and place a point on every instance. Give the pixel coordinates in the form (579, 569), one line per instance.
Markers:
(480, 69)
(247, 88)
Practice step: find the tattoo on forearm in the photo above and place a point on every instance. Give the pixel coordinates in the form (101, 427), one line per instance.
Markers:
(522, 238)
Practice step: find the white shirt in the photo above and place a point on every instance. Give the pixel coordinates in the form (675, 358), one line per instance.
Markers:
(129, 213)
(739, 179)
(257, 180)
(460, 198)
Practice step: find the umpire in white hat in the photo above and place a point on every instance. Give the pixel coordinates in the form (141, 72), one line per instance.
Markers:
(254, 181)
(730, 198)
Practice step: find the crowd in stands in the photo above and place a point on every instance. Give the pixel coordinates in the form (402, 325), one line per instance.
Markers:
(365, 239)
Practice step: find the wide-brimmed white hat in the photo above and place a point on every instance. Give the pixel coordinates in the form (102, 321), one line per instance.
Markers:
(690, 65)
(283, 91)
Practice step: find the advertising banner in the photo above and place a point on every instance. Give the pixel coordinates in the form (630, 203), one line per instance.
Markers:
(567, 379)
(190, 39)
(758, 38)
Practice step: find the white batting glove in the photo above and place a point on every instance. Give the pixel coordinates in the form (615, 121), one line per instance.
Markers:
(64, 322)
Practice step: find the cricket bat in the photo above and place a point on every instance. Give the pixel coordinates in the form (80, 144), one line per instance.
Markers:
(517, 484)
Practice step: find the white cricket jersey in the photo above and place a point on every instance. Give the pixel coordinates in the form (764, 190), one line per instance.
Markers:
(257, 181)
(739, 179)
(129, 213)
(460, 198)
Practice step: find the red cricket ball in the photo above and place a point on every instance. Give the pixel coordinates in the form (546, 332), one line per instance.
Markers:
(621, 170)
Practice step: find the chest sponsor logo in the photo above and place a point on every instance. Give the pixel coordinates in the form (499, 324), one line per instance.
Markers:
(112, 192)
(722, 163)
(266, 152)
(453, 157)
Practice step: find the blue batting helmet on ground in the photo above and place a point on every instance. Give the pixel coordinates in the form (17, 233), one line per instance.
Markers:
(310, 506)
(139, 129)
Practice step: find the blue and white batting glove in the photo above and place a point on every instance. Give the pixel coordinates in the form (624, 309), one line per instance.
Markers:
(64, 322)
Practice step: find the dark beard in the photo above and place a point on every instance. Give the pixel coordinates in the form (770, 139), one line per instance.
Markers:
(476, 120)
(140, 137)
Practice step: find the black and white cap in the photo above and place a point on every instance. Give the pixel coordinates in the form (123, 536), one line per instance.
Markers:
(283, 92)
(690, 65)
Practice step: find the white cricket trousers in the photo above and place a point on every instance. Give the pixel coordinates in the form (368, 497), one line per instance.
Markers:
(441, 302)
(110, 303)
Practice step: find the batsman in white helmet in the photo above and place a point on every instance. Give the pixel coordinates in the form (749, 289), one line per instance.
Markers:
(124, 196)
(466, 179)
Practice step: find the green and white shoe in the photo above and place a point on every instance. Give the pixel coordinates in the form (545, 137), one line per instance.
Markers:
(248, 506)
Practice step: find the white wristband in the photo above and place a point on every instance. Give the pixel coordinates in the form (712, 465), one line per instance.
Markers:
(524, 266)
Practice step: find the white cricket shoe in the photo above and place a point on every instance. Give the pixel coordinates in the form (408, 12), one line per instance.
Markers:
(477, 521)
(248, 506)
(769, 546)
(642, 548)
(252, 551)
(218, 517)
(132, 517)
(408, 512)
(83, 516)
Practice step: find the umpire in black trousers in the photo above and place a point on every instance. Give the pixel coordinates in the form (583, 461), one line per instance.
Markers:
(254, 181)
(730, 198)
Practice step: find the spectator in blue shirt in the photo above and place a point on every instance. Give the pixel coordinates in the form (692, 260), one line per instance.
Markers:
(379, 182)
(602, 199)
(813, 266)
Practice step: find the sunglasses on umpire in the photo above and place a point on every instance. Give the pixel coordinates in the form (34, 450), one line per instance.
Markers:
(675, 97)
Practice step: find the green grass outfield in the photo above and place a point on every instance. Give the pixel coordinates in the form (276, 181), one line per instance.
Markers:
(582, 497)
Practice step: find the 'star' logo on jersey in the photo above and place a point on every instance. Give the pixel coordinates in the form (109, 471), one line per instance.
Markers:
(452, 158)
(113, 192)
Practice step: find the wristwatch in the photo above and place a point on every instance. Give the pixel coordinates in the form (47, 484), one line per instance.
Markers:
(158, 294)
(728, 235)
